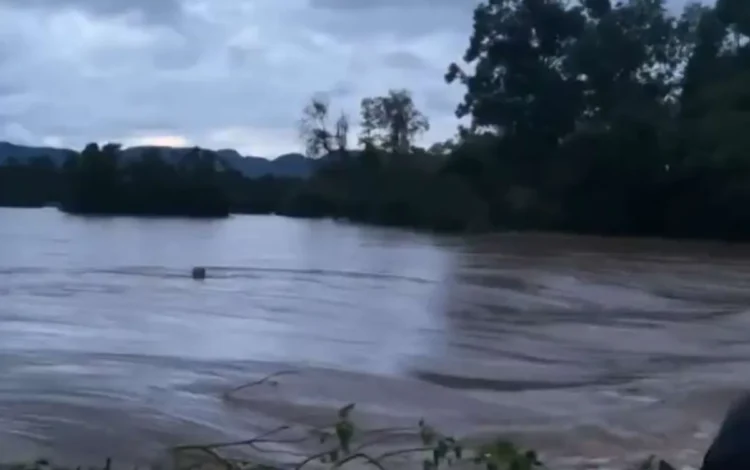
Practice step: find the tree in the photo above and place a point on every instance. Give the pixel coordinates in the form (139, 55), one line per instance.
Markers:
(542, 67)
(517, 51)
(736, 15)
(392, 122)
(442, 149)
(316, 132)
(704, 64)
(627, 60)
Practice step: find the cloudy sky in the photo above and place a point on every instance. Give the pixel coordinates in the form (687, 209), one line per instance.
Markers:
(216, 73)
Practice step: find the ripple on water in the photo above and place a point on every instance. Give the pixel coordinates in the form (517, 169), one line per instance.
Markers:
(586, 348)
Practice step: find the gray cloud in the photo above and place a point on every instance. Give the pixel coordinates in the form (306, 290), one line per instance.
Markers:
(404, 60)
(400, 18)
(220, 73)
(149, 10)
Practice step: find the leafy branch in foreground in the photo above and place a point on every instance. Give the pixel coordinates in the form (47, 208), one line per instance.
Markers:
(343, 442)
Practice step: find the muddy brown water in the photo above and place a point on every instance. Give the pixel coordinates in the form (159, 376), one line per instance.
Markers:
(592, 350)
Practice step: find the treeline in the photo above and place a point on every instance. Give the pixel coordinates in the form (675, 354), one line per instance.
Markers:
(33, 183)
(590, 116)
(99, 181)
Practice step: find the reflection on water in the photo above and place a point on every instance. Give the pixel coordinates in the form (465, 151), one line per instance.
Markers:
(584, 347)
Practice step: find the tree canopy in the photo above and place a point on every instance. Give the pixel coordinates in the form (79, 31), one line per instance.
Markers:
(613, 117)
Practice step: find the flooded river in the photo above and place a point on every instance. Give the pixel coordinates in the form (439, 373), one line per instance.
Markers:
(584, 348)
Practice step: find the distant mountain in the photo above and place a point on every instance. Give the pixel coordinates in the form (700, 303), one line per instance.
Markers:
(22, 153)
(287, 165)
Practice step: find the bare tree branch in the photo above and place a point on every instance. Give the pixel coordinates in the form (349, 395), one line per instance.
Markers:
(265, 379)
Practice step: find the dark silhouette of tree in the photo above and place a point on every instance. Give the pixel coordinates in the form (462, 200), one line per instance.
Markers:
(35, 183)
(392, 122)
(602, 116)
(320, 137)
(100, 182)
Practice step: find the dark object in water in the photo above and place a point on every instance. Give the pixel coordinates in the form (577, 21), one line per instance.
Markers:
(730, 449)
(199, 273)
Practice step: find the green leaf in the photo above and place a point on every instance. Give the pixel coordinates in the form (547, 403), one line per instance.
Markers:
(502, 451)
(344, 432)
(442, 449)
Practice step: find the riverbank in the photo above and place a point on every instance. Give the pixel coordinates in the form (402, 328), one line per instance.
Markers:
(169, 213)
(440, 197)
(477, 230)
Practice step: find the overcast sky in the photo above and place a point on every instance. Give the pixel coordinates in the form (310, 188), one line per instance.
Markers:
(216, 73)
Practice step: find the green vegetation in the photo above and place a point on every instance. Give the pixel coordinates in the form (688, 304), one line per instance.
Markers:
(588, 116)
(29, 184)
(98, 183)
(344, 443)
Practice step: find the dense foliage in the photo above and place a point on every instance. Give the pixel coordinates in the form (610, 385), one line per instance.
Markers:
(591, 116)
(29, 184)
(97, 182)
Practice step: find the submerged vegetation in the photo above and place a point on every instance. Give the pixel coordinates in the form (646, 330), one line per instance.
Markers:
(343, 443)
(599, 116)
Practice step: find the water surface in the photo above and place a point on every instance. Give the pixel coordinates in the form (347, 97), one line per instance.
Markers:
(584, 347)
